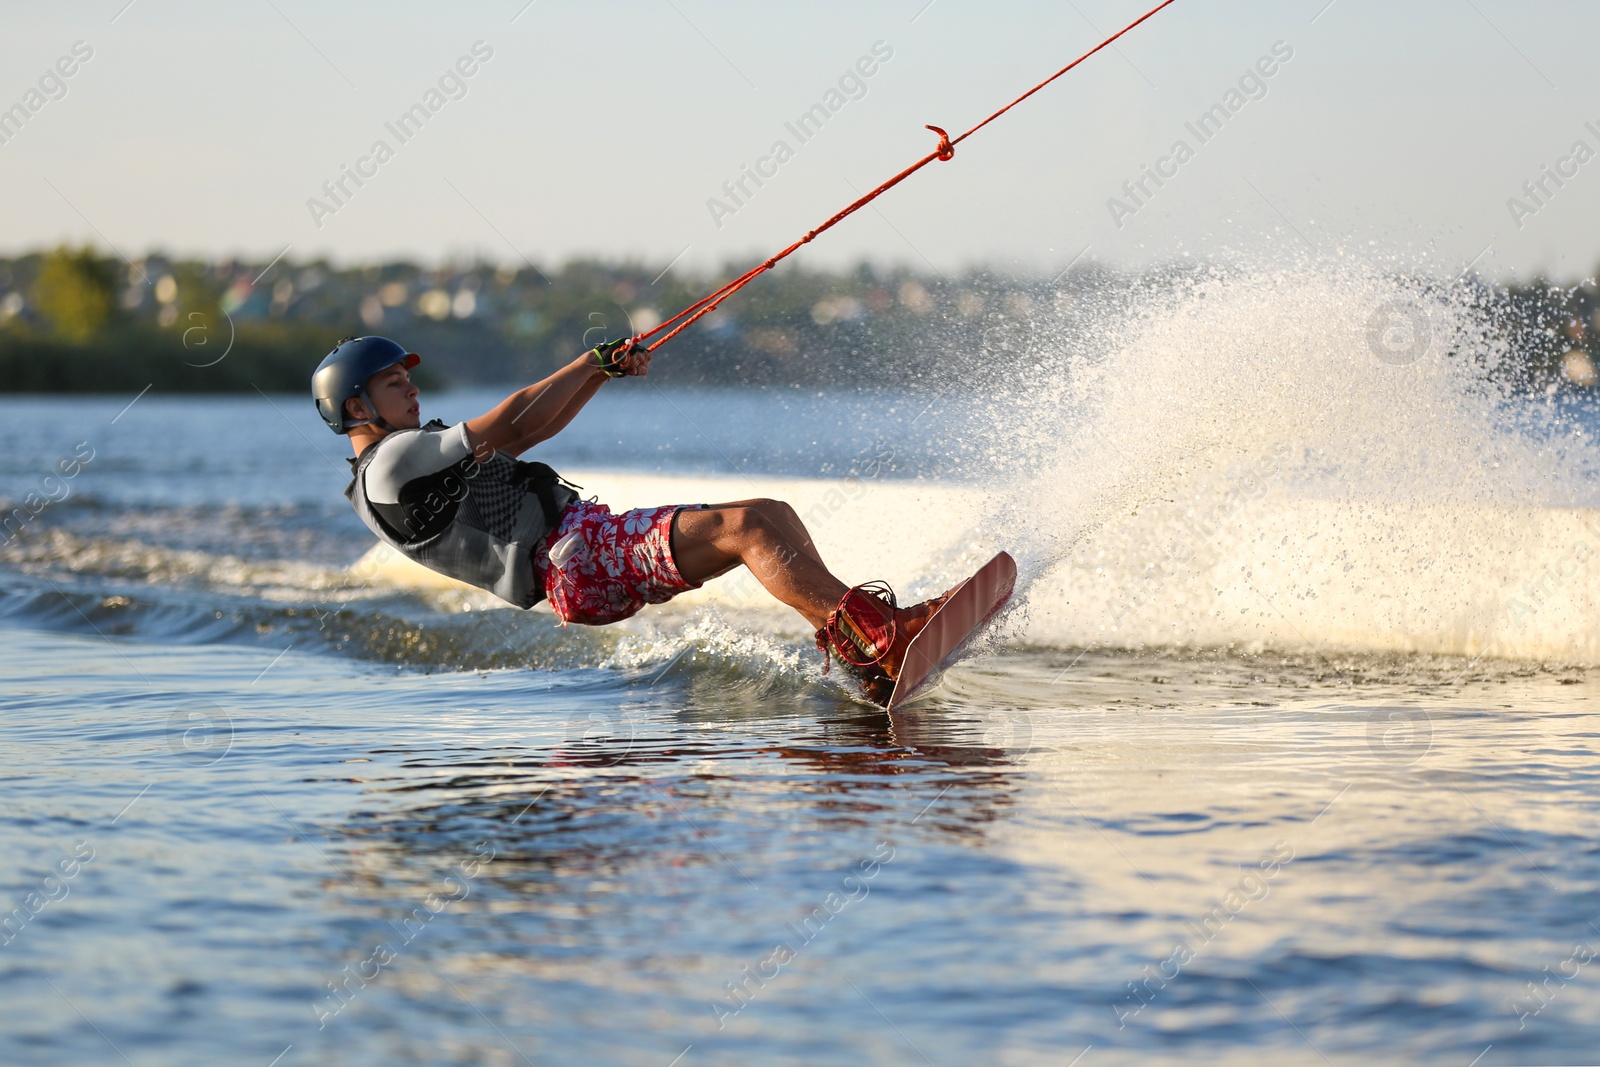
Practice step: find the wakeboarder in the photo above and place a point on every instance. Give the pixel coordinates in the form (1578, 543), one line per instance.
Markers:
(457, 499)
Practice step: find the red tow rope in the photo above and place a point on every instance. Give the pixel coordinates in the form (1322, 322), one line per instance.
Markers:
(946, 150)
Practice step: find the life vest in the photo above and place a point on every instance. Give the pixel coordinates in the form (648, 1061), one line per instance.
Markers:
(474, 520)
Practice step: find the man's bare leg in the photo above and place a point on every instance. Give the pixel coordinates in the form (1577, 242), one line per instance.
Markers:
(765, 536)
(796, 538)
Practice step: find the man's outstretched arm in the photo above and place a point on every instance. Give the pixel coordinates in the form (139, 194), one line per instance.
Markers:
(540, 411)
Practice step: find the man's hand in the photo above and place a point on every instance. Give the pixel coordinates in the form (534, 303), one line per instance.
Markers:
(622, 358)
(638, 362)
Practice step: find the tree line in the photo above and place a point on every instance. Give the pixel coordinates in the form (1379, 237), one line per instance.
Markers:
(75, 320)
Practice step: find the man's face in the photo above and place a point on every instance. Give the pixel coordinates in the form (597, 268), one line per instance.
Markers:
(392, 397)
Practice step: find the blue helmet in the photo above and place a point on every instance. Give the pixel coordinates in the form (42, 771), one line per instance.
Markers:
(343, 373)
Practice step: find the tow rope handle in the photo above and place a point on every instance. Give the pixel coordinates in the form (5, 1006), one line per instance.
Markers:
(943, 152)
(612, 356)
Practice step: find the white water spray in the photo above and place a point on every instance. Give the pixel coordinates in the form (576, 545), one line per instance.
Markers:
(1299, 458)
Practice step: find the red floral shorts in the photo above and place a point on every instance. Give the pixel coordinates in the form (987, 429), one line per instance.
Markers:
(597, 567)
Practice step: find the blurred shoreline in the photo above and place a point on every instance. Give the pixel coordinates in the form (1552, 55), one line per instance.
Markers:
(77, 321)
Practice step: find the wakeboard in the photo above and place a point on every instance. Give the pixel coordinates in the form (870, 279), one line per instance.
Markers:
(944, 636)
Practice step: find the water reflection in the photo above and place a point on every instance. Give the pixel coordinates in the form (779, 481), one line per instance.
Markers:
(621, 796)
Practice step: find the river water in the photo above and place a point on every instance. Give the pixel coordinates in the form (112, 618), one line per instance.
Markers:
(1286, 753)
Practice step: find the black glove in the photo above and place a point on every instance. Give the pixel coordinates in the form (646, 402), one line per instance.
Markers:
(613, 356)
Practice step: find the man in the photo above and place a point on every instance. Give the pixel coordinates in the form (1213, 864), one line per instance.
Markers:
(456, 499)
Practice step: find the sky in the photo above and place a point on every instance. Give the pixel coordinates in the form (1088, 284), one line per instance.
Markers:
(1402, 132)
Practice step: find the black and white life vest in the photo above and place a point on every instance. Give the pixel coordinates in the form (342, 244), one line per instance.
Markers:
(425, 495)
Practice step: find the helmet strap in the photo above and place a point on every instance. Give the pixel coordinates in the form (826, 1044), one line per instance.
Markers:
(377, 420)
